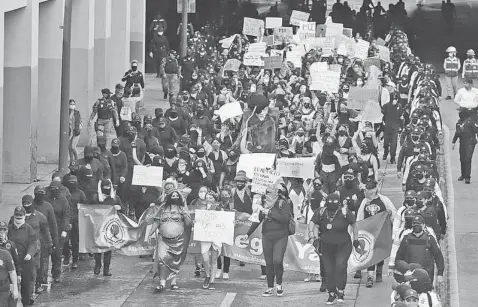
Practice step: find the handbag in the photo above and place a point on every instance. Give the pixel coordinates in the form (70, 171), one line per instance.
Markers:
(291, 226)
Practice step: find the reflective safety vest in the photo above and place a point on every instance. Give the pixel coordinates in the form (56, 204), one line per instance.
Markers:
(470, 68)
(451, 67)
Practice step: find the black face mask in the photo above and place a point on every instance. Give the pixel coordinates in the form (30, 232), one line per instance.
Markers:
(349, 182)
(409, 202)
(72, 186)
(131, 137)
(89, 159)
(134, 68)
(106, 191)
(417, 228)
(240, 185)
(313, 138)
(317, 186)
(173, 115)
(201, 154)
(419, 176)
(342, 132)
(169, 154)
(29, 209)
(419, 203)
(332, 206)
(39, 197)
(175, 201)
(97, 156)
(408, 223)
(199, 112)
(159, 115)
(300, 133)
(115, 150)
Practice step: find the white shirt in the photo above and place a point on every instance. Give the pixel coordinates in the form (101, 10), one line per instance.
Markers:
(467, 98)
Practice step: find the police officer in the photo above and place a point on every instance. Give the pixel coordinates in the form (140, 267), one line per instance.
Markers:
(466, 131)
(9, 247)
(8, 276)
(470, 66)
(133, 77)
(107, 112)
(26, 241)
(421, 247)
(451, 65)
(170, 73)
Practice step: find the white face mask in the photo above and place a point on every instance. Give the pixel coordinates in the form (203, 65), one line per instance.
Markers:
(19, 221)
(160, 33)
(202, 195)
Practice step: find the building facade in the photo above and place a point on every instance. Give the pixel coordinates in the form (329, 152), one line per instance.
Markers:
(106, 35)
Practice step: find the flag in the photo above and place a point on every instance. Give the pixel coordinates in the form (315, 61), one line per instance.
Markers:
(375, 235)
(102, 229)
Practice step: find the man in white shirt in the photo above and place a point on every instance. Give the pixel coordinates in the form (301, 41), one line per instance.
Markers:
(467, 96)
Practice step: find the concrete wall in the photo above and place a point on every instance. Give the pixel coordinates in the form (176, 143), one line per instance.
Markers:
(49, 79)
(101, 48)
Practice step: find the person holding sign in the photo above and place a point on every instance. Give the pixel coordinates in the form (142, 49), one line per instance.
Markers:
(174, 224)
(275, 218)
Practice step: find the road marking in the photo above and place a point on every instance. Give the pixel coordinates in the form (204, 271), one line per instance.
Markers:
(227, 301)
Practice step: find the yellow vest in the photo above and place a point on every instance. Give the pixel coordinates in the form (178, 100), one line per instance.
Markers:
(451, 67)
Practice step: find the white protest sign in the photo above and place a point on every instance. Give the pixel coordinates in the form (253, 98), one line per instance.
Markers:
(214, 226)
(263, 178)
(317, 67)
(253, 59)
(297, 17)
(327, 44)
(342, 50)
(253, 27)
(247, 162)
(295, 57)
(273, 22)
(306, 30)
(334, 29)
(230, 110)
(328, 81)
(232, 65)
(384, 53)
(381, 42)
(283, 35)
(371, 113)
(361, 49)
(148, 176)
(257, 48)
(227, 42)
(296, 167)
(275, 52)
(335, 67)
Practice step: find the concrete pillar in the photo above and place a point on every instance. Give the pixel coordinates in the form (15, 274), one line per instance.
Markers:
(2, 51)
(102, 42)
(82, 60)
(138, 32)
(21, 94)
(120, 40)
(50, 51)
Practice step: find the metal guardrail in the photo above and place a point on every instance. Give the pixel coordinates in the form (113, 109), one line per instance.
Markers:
(448, 292)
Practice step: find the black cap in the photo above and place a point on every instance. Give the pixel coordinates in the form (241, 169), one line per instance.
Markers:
(106, 91)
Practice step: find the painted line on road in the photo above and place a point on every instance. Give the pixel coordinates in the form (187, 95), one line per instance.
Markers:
(227, 301)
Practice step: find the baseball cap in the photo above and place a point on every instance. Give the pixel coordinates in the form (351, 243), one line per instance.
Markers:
(136, 118)
(72, 178)
(27, 199)
(132, 130)
(119, 86)
(3, 225)
(418, 219)
(134, 63)
(147, 118)
(410, 193)
(55, 185)
(73, 165)
(410, 293)
(39, 189)
(115, 143)
(371, 184)
(349, 172)
(19, 211)
(106, 91)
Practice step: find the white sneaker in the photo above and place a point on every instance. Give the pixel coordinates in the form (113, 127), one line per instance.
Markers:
(309, 278)
(263, 277)
(218, 274)
(225, 276)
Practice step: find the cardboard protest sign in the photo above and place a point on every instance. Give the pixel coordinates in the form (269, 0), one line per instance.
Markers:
(253, 59)
(247, 162)
(359, 97)
(214, 226)
(296, 167)
(273, 22)
(230, 110)
(326, 81)
(371, 113)
(350, 47)
(335, 67)
(297, 17)
(334, 29)
(253, 27)
(295, 57)
(367, 63)
(306, 30)
(232, 65)
(342, 50)
(257, 48)
(381, 42)
(384, 53)
(361, 49)
(347, 32)
(283, 35)
(300, 49)
(327, 44)
(320, 30)
(273, 62)
(227, 42)
(148, 176)
(264, 178)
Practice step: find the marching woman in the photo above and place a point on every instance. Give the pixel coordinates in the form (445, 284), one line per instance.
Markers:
(275, 217)
(174, 225)
(330, 228)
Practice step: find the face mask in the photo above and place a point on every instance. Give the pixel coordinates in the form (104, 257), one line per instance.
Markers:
(175, 201)
(409, 202)
(72, 107)
(19, 221)
(39, 197)
(313, 138)
(115, 150)
(225, 199)
(332, 205)
(300, 134)
(417, 228)
(134, 68)
(160, 33)
(342, 132)
(169, 154)
(29, 209)
(106, 191)
(88, 159)
(201, 154)
(131, 137)
(240, 185)
(72, 186)
(202, 195)
(173, 115)
(420, 176)
(200, 112)
(317, 186)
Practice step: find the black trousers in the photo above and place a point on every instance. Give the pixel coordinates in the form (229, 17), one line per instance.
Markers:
(466, 154)
(74, 249)
(379, 267)
(390, 139)
(29, 272)
(106, 259)
(335, 258)
(56, 256)
(274, 250)
(227, 264)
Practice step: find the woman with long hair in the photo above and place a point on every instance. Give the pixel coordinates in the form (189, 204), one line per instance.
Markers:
(173, 222)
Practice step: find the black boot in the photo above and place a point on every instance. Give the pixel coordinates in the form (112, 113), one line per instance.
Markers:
(97, 269)
(107, 261)
(378, 277)
(323, 286)
(165, 95)
(106, 271)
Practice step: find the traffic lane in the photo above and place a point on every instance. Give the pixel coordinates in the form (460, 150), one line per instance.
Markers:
(466, 215)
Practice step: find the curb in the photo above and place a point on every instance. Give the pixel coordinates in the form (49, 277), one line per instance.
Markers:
(451, 293)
